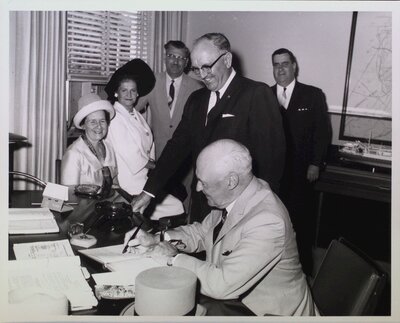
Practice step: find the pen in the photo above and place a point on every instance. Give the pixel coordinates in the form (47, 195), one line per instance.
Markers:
(132, 237)
(67, 203)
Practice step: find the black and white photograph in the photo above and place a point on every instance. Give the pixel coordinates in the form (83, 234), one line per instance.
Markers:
(216, 161)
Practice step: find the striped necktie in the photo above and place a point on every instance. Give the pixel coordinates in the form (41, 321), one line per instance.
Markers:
(171, 93)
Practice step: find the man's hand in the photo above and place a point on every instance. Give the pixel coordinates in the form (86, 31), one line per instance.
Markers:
(140, 202)
(162, 251)
(142, 238)
(312, 173)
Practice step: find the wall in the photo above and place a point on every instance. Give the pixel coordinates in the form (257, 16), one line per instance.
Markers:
(319, 40)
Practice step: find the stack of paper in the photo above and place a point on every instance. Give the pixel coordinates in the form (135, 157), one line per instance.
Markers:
(51, 265)
(31, 220)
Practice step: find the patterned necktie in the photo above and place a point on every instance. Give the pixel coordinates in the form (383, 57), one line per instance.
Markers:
(218, 227)
(171, 93)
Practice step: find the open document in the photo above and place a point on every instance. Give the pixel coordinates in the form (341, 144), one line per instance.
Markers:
(31, 221)
(125, 267)
(113, 259)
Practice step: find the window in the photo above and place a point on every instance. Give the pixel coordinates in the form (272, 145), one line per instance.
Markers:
(100, 42)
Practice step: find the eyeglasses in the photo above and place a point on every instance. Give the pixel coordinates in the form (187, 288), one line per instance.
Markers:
(206, 69)
(179, 58)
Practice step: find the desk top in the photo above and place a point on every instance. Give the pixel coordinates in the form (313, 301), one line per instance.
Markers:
(85, 213)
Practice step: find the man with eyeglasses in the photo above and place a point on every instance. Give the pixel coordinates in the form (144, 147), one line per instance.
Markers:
(166, 102)
(307, 129)
(230, 107)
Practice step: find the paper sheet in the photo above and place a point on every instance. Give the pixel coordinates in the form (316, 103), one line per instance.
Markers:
(111, 254)
(43, 249)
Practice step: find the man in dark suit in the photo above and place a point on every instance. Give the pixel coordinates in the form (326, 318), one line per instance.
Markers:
(305, 119)
(166, 102)
(230, 107)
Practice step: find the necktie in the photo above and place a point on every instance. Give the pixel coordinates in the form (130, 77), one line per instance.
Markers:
(284, 93)
(211, 110)
(218, 98)
(171, 93)
(218, 227)
(282, 99)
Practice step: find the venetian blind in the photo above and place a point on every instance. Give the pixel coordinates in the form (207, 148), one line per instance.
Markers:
(100, 42)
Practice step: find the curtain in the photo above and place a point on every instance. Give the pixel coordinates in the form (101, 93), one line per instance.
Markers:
(168, 25)
(37, 90)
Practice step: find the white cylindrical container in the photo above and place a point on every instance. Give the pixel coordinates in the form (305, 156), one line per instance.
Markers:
(164, 291)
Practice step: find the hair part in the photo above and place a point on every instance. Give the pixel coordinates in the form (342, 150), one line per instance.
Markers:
(178, 45)
(219, 40)
(281, 51)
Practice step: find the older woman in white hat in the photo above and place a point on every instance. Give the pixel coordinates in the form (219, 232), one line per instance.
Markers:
(89, 159)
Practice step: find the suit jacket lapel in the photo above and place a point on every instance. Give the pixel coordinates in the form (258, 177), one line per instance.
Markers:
(223, 106)
(236, 214)
(163, 93)
(293, 98)
(180, 103)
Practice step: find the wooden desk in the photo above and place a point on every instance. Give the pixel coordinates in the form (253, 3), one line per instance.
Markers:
(85, 213)
(351, 182)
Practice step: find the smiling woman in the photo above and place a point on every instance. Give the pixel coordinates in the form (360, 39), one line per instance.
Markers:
(89, 160)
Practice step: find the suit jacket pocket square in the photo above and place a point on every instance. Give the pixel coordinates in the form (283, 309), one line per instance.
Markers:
(227, 115)
(227, 252)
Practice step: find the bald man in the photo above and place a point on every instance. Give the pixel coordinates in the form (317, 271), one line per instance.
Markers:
(251, 251)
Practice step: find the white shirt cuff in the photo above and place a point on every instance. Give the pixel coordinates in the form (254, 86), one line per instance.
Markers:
(149, 194)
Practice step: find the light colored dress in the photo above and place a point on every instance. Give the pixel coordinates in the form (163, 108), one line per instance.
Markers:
(80, 166)
(132, 140)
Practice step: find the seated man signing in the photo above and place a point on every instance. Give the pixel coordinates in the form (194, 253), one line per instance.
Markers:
(251, 250)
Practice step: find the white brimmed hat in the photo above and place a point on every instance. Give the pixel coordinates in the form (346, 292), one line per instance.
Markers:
(89, 103)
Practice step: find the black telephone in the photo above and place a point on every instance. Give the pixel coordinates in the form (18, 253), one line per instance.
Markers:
(113, 217)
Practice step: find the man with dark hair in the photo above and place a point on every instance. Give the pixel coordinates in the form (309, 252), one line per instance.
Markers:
(166, 102)
(305, 119)
(230, 107)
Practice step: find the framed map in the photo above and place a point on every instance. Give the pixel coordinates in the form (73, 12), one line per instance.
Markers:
(367, 102)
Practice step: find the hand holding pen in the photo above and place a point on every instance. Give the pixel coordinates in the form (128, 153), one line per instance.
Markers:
(131, 238)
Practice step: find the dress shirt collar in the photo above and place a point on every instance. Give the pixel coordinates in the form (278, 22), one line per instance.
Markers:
(230, 207)
(289, 89)
(228, 81)
(213, 96)
(177, 81)
(121, 109)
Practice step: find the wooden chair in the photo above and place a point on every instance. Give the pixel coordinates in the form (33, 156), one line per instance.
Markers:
(348, 282)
